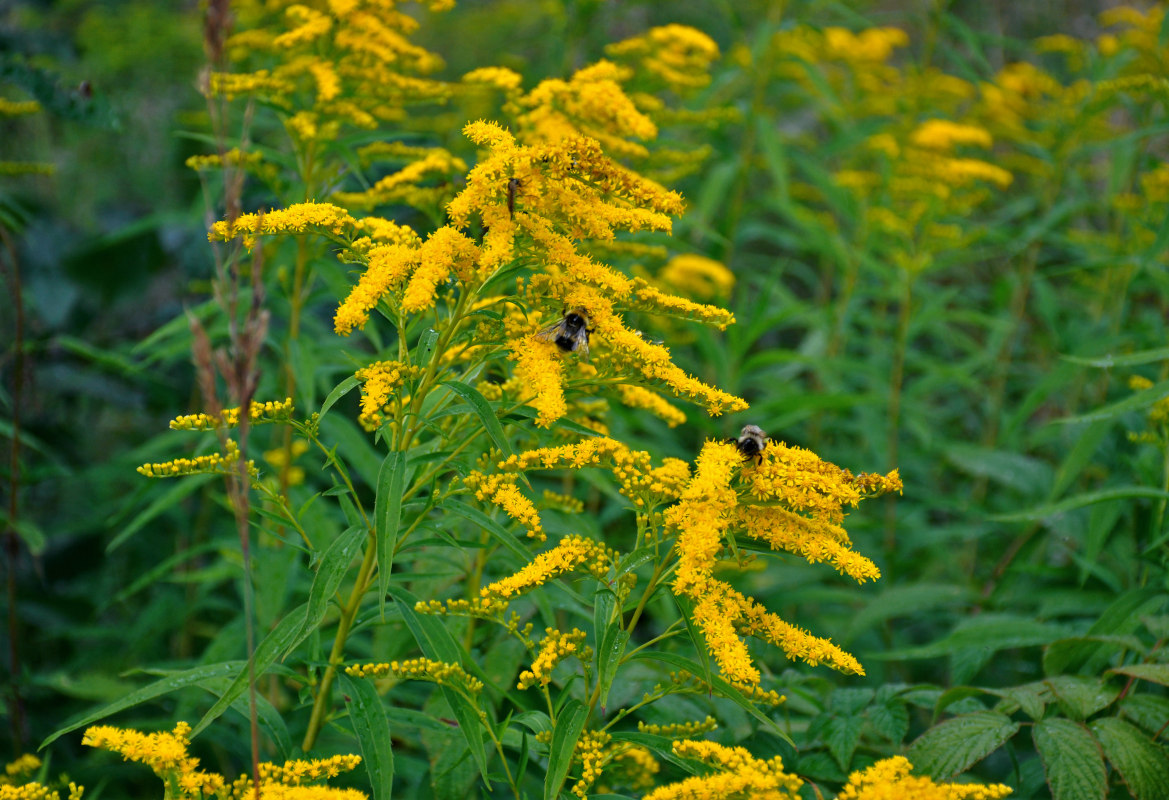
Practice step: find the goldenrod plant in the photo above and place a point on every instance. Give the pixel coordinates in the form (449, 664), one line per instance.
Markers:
(644, 401)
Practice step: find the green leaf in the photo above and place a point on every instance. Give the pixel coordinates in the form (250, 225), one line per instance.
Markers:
(483, 410)
(898, 601)
(1148, 711)
(387, 515)
(1071, 759)
(952, 747)
(842, 734)
(1143, 766)
(340, 390)
(609, 655)
(373, 733)
(1032, 698)
(1155, 673)
(1126, 360)
(1143, 399)
(1088, 653)
(275, 643)
(267, 717)
(565, 734)
(1082, 697)
(1043, 512)
(330, 572)
(890, 719)
(437, 643)
(171, 683)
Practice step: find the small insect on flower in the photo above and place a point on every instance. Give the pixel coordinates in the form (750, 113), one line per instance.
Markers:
(513, 184)
(751, 442)
(571, 333)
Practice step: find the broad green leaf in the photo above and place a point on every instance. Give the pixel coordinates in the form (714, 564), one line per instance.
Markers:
(387, 514)
(483, 410)
(1148, 711)
(373, 733)
(1143, 765)
(275, 643)
(890, 719)
(954, 746)
(842, 734)
(339, 391)
(1071, 759)
(1155, 673)
(565, 734)
(330, 572)
(1032, 698)
(171, 683)
(1082, 697)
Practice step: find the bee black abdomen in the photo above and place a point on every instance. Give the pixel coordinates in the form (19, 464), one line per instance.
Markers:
(566, 343)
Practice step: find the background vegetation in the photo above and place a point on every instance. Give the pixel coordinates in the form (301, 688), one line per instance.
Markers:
(984, 341)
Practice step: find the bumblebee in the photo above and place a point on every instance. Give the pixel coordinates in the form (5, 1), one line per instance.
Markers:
(569, 334)
(751, 442)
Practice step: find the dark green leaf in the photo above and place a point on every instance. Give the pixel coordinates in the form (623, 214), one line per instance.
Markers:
(565, 734)
(373, 733)
(387, 513)
(1071, 759)
(1142, 765)
(330, 572)
(1082, 697)
(484, 411)
(955, 745)
(339, 391)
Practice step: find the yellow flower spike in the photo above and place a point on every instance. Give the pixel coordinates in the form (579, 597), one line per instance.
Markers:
(679, 730)
(17, 108)
(942, 134)
(571, 553)
(311, 25)
(388, 267)
(498, 77)
(324, 218)
(23, 766)
(446, 251)
(541, 372)
(217, 464)
(676, 55)
(697, 275)
(647, 298)
(501, 490)
(738, 775)
(258, 413)
(591, 753)
(889, 779)
(703, 516)
(554, 648)
(422, 669)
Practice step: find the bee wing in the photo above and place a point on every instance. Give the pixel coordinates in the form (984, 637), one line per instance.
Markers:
(550, 333)
(582, 345)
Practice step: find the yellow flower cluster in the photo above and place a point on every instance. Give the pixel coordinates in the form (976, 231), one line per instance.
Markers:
(634, 766)
(346, 63)
(640, 397)
(591, 752)
(793, 501)
(165, 753)
(224, 463)
(698, 276)
(563, 502)
(323, 218)
(13, 787)
(571, 553)
(258, 413)
(1157, 416)
(379, 381)
(637, 479)
(405, 185)
(679, 730)
(889, 779)
(554, 648)
(738, 776)
(18, 108)
(501, 490)
(678, 57)
(422, 669)
(37, 791)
